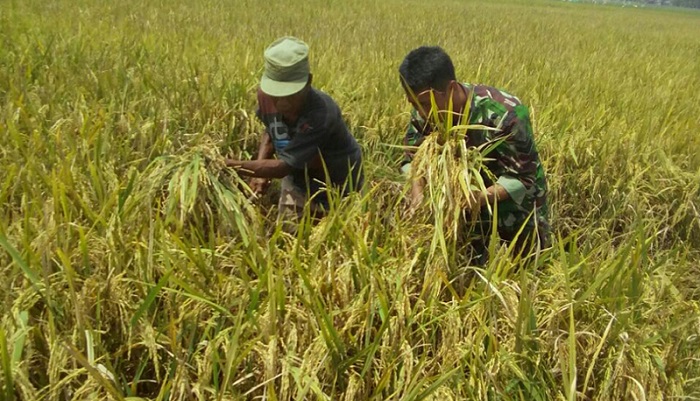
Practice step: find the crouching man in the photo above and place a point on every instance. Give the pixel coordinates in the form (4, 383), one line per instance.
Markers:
(514, 174)
(305, 130)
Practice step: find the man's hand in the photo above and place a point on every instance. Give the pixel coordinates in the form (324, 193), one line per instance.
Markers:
(475, 200)
(416, 201)
(259, 185)
(417, 195)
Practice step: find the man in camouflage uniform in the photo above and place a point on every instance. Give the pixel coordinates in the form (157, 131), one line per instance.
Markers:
(519, 187)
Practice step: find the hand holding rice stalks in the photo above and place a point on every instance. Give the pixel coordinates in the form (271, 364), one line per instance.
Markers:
(195, 188)
(451, 178)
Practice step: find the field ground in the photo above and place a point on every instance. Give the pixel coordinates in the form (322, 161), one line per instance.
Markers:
(132, 267)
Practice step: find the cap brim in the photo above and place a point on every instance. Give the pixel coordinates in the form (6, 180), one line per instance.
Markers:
(280, 88)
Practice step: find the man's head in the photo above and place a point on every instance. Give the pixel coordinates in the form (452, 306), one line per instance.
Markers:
(286, 78)
(428, 70)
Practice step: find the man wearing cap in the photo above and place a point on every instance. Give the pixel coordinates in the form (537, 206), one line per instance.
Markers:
(513, 173)
(304, 128)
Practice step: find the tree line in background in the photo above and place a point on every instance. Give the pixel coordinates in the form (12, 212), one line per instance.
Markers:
(676, 3)
(686, 3)
(670, 3)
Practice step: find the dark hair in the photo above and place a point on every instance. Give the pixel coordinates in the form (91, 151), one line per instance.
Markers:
(427, 67)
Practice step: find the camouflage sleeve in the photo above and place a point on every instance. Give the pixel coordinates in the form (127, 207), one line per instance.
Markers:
(518, 160)
(415, 133)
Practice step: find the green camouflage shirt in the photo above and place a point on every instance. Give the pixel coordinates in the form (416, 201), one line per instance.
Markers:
(515, 161)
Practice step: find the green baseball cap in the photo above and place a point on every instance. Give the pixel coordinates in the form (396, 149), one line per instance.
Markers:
(286, 67)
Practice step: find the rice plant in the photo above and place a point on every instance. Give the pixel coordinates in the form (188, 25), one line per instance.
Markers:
(135, 266)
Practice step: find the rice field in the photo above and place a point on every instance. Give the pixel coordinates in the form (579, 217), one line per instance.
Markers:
(134, 266)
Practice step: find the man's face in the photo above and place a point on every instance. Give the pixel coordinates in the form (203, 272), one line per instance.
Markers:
(290, 106)
(421, 101)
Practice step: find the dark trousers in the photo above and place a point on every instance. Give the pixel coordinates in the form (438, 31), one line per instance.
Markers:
(524, 245)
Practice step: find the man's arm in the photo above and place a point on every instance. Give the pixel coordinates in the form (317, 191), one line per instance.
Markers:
(417, 195)
(416, 132)
(493, 194)
(517, 160)
(266, 149)
(264, 166)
